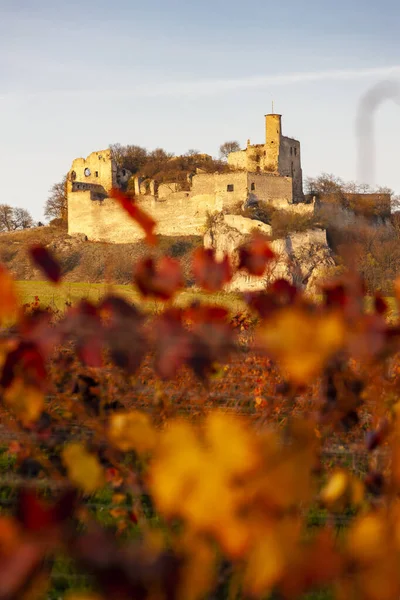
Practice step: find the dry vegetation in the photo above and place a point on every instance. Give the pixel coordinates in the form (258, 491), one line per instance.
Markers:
(85, 261)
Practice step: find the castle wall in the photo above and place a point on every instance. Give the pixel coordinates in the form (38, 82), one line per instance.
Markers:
(102, 170)
(238, 160)
(219, 186)
(165, 189)
(181, 213)
(270, 188)
(290, 165)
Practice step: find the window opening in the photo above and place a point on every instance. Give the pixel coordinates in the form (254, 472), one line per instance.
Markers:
(230, 187)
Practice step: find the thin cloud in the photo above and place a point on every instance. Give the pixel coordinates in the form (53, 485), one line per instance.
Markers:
(210, 87)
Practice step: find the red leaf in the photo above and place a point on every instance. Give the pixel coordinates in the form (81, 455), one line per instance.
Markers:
(380, 304)
(254, 256)
(137, 214)
(209, 273)
(200, 313)
(123, 323)
(335, 295)
(161, 279)
(280, 293)
(133, 517)
(46, 262)
(26, 359)
(173, 343)
(36, 516)
(283, 291)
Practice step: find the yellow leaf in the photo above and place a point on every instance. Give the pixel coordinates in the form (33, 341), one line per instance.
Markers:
(341, 490)
(198, 573)
(25, 400)
(9, 304)
(367, 538)
(335, 489)
(301, 341)
(239, 457)
(265, 565)
(132, 431)
(84, 469)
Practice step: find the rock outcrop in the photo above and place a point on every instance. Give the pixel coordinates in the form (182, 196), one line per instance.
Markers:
(303, 258)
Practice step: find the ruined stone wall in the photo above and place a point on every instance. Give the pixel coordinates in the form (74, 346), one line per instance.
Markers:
(181, 213)
(106, 221)
(290, 165)
(226, 188)
(178, 213)
(238, 160)
(97, 168)
(270, 188)
(165, 189)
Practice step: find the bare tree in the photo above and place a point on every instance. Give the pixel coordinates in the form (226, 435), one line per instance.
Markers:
(56, 206)
(22, 218)
(129, 157)
(227, 148)
(6, 218)
(14, 218)
(326, 183)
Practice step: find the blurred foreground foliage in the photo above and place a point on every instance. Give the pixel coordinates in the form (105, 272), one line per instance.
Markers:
(150, 494)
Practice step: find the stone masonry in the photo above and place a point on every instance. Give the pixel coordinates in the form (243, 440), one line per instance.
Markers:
(270, 173)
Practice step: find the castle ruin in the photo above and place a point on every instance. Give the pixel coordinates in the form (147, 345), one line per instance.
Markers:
(262, 173)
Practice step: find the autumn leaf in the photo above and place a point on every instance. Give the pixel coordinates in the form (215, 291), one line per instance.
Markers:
(301, 341)
(24, 361)
(46, 262)
(84, 469)
(341, 490)
(9, 304)
(132, 431)
(136, 213)
(210, 273)
(160, 279)
(204, 483)
(37, 516)
(265, 564)
(367, 538)
(26, 401)
(255, 255)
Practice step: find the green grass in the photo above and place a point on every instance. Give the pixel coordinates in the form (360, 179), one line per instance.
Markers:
(56, 296)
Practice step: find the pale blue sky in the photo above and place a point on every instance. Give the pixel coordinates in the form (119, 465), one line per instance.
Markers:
(77, 76)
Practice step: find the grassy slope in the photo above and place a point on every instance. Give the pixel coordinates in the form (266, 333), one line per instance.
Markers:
(57, 296)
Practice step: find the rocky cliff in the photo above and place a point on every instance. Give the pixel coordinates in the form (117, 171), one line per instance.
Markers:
(303, 258)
